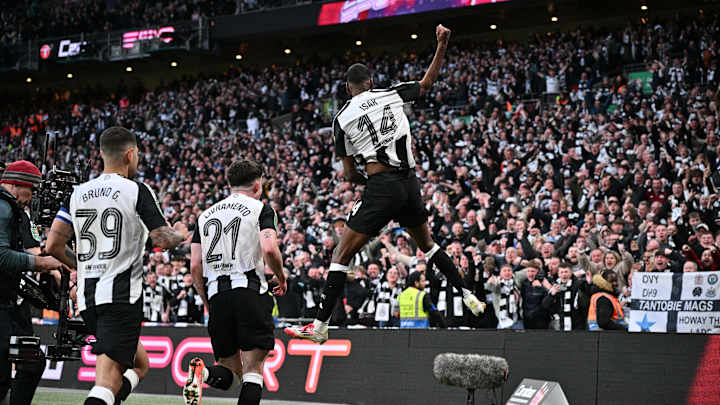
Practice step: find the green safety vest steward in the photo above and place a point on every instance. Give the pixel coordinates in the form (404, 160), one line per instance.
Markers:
(412, 313)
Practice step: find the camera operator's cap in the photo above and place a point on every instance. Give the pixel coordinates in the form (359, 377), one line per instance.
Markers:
(21, 173)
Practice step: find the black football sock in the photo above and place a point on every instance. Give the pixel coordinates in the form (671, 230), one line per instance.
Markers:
(219, 377)
(94, 401)
(334, 286)
(250, 394)
(130, 380)
(447, 267)
(124, 391)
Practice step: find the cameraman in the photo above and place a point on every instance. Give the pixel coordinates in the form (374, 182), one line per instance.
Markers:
(16, 187)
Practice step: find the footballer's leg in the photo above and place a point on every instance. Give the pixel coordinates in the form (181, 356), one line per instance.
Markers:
(350, 243)
(252, 376)
(132, 376)
(413, 216)
(438, 257)
(225, 375)
(108, 380)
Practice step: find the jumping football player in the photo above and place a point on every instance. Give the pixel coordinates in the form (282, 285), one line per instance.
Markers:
(373, 130)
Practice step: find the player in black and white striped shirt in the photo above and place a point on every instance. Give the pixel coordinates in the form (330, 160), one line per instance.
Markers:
(372, 130)
(233, 241)
(110, 217)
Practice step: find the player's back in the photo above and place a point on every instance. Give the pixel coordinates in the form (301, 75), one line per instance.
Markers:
(110, 239)
(373, 127)
(229, 233)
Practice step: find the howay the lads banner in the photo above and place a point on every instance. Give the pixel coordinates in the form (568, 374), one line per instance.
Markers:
(675, 302)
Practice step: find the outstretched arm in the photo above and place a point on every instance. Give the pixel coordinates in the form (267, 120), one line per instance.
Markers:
(443, 36)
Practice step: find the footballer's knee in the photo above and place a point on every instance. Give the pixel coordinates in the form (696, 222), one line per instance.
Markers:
(342, 254)
(423, 239)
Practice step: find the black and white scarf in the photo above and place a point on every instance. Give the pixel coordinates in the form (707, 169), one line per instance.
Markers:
(154, 302)
(386, 301)
(508, 305)
(171, 283)
(451, 306)
(564, 317)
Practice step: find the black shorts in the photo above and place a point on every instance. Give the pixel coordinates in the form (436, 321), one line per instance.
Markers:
(391, 195)
(117, 330)
(240, 318)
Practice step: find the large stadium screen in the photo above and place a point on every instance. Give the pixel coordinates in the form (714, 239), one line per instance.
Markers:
(341, 12)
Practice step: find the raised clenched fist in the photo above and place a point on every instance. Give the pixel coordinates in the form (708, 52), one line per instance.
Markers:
(442, 33)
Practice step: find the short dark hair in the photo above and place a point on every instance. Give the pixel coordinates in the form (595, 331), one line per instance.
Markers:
(358, 74)
(565, 265)
(242, 173)
(116, 140)
(413, 278)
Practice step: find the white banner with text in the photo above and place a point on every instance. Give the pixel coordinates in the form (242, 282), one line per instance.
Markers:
(675, 302)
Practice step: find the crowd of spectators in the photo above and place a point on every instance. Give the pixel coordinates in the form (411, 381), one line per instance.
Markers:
(540, 202)
(33, 19)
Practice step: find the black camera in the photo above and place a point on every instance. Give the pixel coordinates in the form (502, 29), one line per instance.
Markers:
(56, 187)
(70, 335)
(53, 192)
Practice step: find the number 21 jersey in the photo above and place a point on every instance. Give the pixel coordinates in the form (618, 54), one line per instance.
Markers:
(229, 234)
(111, 217)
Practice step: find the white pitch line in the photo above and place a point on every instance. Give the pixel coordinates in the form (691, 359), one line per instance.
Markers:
(221, 399)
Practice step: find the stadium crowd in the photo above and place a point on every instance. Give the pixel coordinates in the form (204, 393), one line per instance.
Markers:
(548, 175)
(34, 19)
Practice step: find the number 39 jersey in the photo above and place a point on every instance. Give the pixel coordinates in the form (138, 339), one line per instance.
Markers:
(372, 127)
(111, 217)
(229, 234)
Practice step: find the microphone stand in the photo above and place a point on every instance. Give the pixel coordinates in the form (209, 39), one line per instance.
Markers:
(470, 396)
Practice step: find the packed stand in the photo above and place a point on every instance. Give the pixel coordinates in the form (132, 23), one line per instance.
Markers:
(36, 19)
(541, 204)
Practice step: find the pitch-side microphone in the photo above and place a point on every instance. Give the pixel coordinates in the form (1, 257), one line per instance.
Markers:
(470, 371)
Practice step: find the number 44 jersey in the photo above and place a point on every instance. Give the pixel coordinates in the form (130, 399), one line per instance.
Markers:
(372, 127)
(111, 217)
(229, 234)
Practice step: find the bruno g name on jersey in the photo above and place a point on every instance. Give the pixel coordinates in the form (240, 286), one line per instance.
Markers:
(100, 192)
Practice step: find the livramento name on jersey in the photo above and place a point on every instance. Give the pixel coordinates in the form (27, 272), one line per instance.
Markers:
(241, 209)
